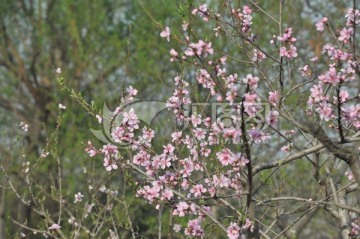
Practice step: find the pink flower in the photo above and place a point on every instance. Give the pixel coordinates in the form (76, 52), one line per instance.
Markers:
(156, 161)
(344, 95)
(325, 111)
(169, 149)
(283, 51)
(287, 36)
(317, 93)
(199, 133)
(272, 118)
(223, 60)
(245, 17)
(351, 112)
(305, 71)
(174, 55)
(204, 78)
(148, 134)
(252, 81)
(189, 52)
(188, 167)
(273, 98)
(110, 164)
(54, 227)
(198, 190)
(90, 149)
(231, 94)
(225, 157)
(355, 229)
(221, 181)
(233, 133)
(131, 119)
(257, 136)
(185, 184)
(352, 17)
(334, 53)
(349, 175)
(199, 48)
(314, 59)
(233, 231)
(247, 10)
(208, 48)
(230, 80)
(258, 56)
(204, 150)
(291, 53)
(176, 136)
(167, 194)
(250, 98)
(251, 107)
(241, 159)
(249, 225)
(150, 192)
(118, 134)
(181, 209)
(285, 148)
(203, 8)
(142, 158)
(109, 150)
(194, 228)
(78, 197)
(177, 227)
(166, 33)
(346, 34)
(195, 120)
(203, 12)
(320, 24)
(131, 91)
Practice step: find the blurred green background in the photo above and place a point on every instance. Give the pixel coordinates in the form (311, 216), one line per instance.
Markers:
(102, 46)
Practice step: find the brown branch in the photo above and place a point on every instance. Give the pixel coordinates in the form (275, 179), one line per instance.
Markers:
(289, 159)
(339, 118)
(347, 154)
(344, 216)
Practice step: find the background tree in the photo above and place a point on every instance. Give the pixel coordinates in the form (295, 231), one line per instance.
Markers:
(100, 47)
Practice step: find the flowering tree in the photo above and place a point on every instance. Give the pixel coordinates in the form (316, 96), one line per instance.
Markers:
(231, 173)
(263, 142)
